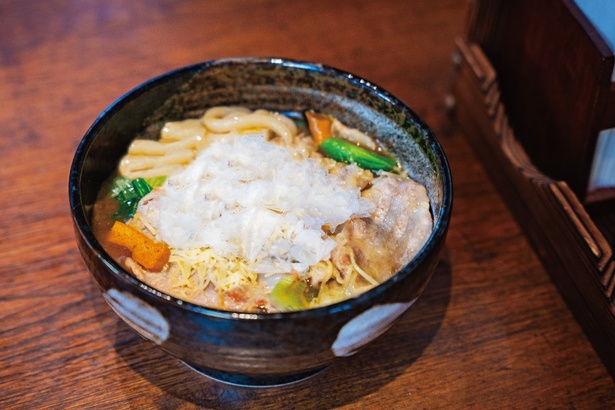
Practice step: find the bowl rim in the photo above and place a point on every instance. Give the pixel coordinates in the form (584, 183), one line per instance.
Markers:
(80, 219)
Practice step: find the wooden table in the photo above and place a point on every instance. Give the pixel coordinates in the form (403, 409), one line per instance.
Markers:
(491, 330)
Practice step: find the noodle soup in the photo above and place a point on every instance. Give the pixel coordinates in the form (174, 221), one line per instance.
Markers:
(252, 211)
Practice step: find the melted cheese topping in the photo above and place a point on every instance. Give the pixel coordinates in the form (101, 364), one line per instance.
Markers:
(247, 198)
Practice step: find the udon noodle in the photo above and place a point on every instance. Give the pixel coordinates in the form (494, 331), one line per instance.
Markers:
(252, 211)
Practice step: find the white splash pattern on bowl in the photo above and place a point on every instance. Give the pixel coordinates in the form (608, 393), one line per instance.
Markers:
(142, 317)
(366, 327)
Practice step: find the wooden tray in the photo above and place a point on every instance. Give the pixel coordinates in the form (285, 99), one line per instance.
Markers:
(575, 246)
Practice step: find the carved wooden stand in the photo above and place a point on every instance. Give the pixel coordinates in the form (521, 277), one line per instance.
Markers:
(572, 247)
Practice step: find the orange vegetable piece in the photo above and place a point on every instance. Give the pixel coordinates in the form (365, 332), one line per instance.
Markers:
(148, 253)
(320, 126)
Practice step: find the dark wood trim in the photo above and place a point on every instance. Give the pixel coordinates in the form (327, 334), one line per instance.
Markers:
(574, 250)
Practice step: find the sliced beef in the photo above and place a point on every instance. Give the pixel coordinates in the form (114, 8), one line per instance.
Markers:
(393, 234)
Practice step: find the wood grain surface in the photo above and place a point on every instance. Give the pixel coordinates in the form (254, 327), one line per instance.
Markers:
(490, 331)
(574, 250)
(557, 98)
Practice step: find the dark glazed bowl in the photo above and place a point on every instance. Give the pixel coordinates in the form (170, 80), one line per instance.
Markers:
(258, 349)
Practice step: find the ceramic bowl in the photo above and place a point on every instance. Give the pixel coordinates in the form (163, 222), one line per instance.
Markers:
(246, 348)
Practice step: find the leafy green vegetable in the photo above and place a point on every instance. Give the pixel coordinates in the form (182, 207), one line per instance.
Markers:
(121, 186)
(289, 293)
(156, 181)
(345, 151)
(128, 193)
(141, 187)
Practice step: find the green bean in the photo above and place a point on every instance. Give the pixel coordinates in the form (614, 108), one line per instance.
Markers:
(345, 151)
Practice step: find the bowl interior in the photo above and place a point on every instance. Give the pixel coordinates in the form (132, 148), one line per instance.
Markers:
(274, 84)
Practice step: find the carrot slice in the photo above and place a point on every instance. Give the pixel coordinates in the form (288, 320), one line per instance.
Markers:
(320, 126)
(148, 253)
